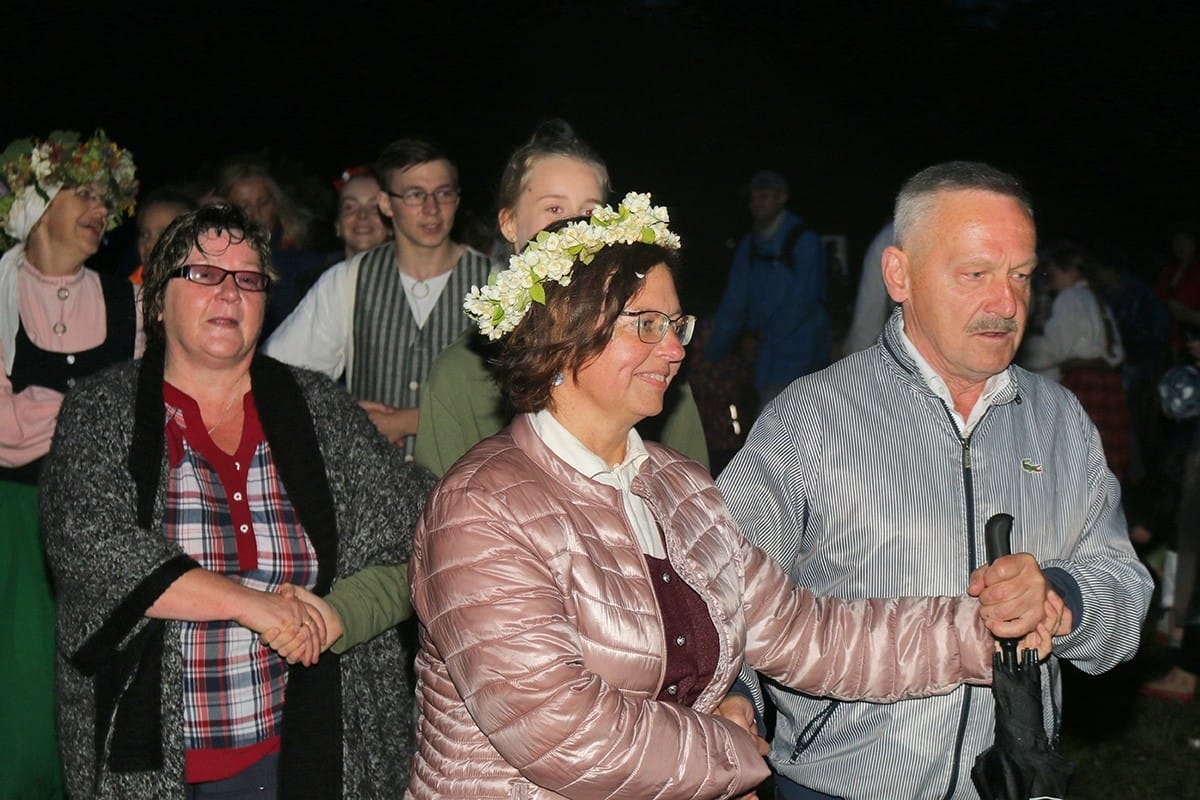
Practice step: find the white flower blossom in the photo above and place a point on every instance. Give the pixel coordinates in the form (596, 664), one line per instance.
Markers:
(39, 163)
(501, 305)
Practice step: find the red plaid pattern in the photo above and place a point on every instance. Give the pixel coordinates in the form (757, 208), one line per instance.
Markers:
(1102, 396)
(232, 514)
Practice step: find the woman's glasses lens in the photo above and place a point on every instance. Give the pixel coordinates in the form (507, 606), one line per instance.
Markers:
(246, 280)
(652, 326)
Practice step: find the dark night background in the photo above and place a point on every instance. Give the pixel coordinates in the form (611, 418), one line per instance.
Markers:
(1096, 106)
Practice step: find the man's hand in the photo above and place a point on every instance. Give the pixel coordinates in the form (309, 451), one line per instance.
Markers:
(394, 423)
(1012, 593)
(740, 711)
(1016, 602)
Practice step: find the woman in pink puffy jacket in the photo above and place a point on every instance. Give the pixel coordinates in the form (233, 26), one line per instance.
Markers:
(585, 600)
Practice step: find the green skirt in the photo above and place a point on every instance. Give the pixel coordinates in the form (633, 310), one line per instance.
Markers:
(29, 765)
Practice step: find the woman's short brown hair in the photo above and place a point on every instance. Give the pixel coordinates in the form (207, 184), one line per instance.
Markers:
(576, 322)
(176, 244)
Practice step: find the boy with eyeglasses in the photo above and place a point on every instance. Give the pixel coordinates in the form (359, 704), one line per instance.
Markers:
(379, 319)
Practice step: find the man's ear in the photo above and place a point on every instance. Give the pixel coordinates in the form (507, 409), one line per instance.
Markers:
(385, 205)
(896, 273)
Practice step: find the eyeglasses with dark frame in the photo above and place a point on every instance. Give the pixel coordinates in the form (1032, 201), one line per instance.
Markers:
(206, 274)
(652, 326)
(447, 195)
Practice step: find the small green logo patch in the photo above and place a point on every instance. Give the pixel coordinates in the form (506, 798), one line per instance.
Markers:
(1030, 466)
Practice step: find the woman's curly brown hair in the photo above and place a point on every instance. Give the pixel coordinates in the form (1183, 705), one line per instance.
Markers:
(576, 322)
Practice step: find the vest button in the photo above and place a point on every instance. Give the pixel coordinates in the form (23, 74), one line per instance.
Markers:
(71, 359)
(672, 690)
(70, 382)
(681, 640)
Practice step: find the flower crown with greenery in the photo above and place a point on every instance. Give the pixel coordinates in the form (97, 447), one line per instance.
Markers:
(40, 167)
(498, 307)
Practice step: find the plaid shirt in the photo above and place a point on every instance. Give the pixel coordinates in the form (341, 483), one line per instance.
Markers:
(232, 514)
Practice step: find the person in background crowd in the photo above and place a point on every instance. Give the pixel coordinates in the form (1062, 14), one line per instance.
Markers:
(872, 306)
(553, 176)
(724, 394)
(1179, 683)
(1145, 326)
(776, 289)
(585, 599)
(182, 492)
(1179, 287)
(380, 319)
(158, 210)
(59, 321)
(359, 224)
(877, 476)
(1079, 345)
(248, 184)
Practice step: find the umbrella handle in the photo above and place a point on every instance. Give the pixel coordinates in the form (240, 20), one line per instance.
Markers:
(997, 538)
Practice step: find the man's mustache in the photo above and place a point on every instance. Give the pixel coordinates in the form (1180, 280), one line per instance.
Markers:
(993, 325)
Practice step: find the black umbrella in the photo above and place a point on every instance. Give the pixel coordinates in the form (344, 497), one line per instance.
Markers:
(1021, 763)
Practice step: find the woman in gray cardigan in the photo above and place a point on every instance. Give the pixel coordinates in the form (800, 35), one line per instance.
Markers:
(185, 498)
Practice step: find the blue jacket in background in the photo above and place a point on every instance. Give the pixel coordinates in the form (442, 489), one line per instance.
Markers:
(783, 303)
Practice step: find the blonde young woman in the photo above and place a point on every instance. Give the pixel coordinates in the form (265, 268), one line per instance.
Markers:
(554, 176)
(585, 599)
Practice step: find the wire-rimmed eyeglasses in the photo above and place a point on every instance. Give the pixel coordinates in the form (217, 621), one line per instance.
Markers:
(245, 279)
(652, 326)
(89, 195)
(447, 195)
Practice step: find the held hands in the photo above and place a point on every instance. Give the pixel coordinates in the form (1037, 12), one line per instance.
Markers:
(394, 423)
(740, 711)
(284, 620)
(1016, 602)
(321, 628)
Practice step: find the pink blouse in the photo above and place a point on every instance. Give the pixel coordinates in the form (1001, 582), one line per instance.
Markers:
(75, 304)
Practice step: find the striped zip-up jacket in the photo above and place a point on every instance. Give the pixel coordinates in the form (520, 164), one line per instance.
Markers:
(857, 481)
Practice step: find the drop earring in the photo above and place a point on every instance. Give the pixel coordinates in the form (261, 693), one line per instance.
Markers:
(558, 379)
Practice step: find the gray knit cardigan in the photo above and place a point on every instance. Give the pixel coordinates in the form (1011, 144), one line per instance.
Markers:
(347, 729)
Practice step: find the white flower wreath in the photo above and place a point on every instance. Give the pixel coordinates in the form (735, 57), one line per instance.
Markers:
(498, 307)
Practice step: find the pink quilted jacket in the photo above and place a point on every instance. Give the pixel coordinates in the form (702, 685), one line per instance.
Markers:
(542, 647)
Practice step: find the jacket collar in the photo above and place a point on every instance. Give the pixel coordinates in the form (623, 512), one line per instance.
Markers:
(526, 438)
(902, 364)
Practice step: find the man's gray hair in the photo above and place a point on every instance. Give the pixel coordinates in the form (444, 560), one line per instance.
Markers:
(918, 192)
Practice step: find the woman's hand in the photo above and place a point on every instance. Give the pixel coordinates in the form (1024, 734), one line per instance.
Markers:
(1057, 621)
(323, 620)
(284, 620)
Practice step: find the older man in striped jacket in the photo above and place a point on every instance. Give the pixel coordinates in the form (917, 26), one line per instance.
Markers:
(874, 478)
